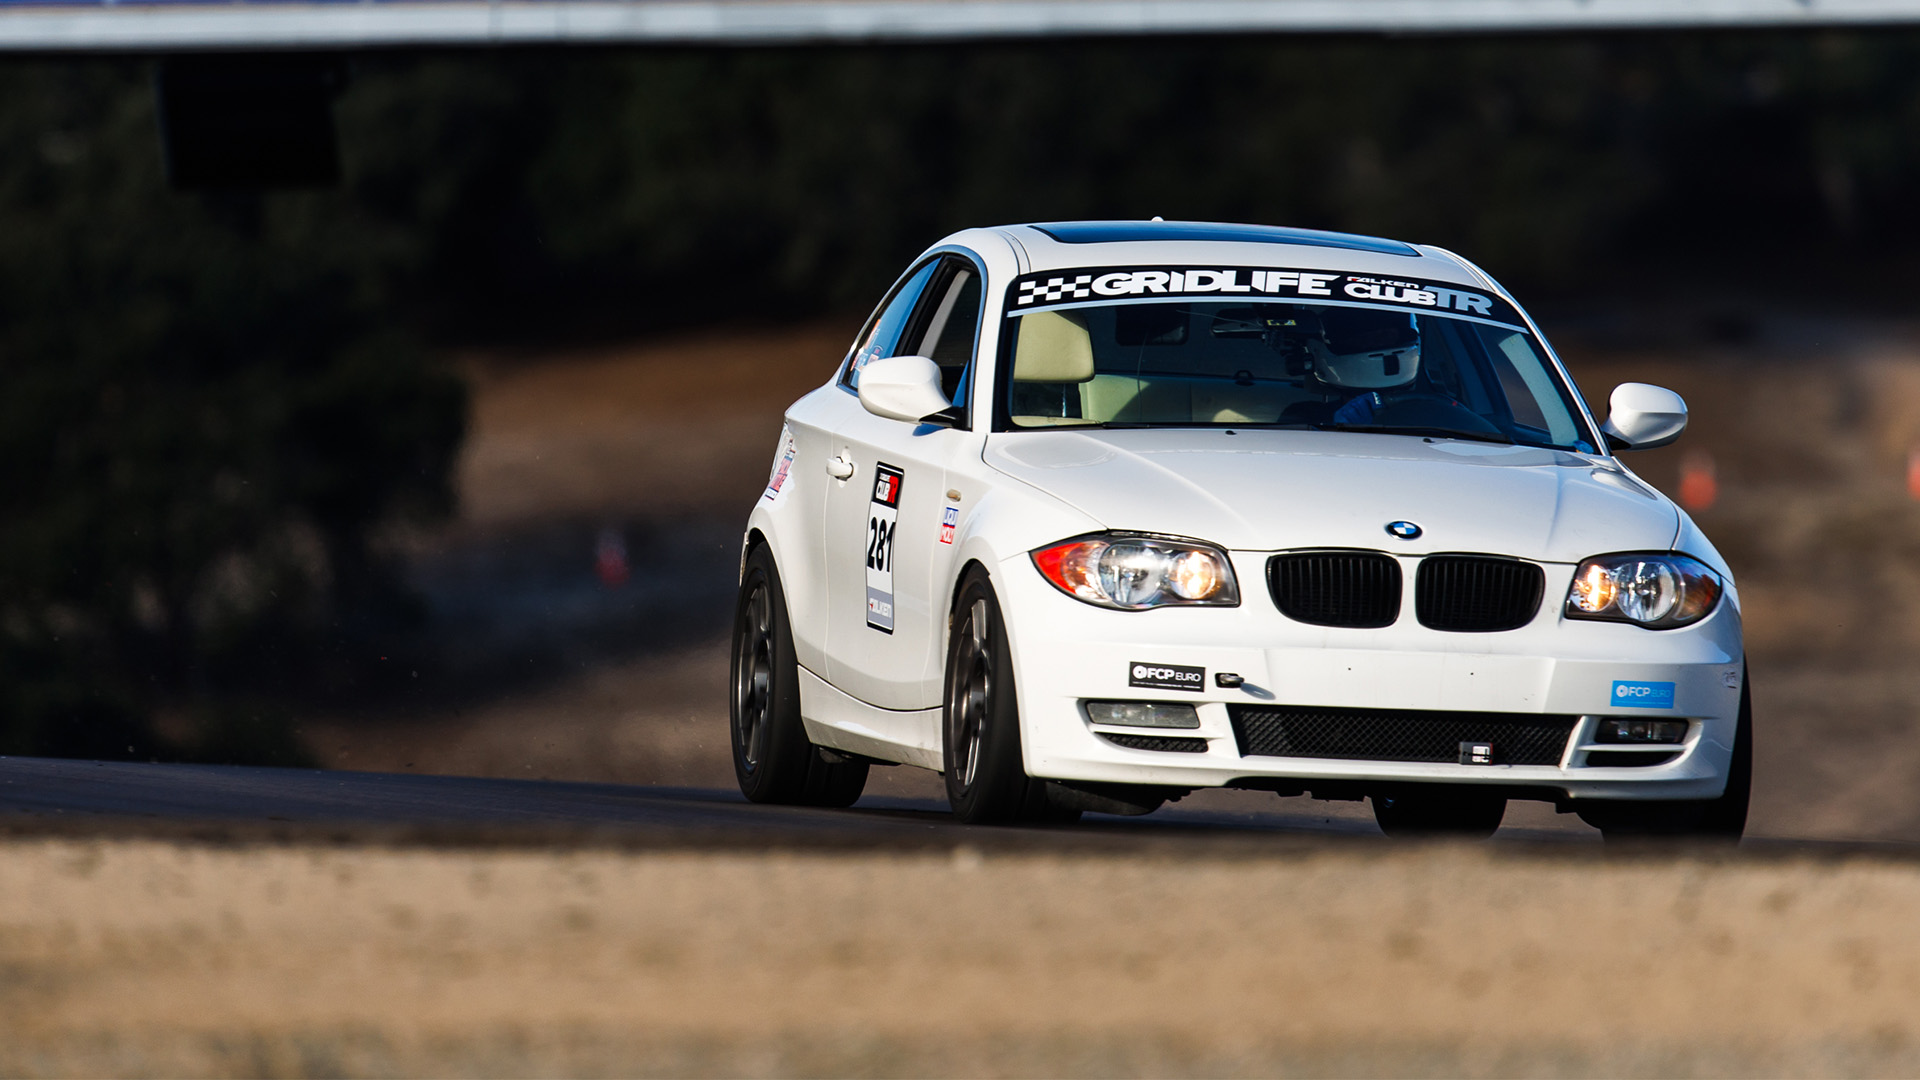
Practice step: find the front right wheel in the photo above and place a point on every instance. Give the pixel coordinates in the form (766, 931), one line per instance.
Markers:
(986, 775)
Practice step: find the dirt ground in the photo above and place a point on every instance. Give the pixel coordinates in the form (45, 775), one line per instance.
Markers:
(1808, 425)
(146, 958)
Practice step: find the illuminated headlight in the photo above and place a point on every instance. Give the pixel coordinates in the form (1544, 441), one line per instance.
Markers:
(1658, 590)
(1143, 714)
(1133, 573)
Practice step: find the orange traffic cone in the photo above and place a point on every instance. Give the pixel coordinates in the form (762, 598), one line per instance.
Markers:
(1698, 487)
(610, 559)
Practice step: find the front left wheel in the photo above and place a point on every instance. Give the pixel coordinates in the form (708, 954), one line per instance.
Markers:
(1723, 819)
(772, 758)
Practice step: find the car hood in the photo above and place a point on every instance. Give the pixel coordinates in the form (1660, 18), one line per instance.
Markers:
(1264, 490)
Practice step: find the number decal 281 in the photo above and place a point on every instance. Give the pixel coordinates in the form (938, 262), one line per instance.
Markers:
(879, 544)
(883, 515)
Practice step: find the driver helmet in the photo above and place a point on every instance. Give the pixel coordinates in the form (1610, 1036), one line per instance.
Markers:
(1361, 349)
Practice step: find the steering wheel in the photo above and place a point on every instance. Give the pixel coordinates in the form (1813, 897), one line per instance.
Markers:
(1426, 409)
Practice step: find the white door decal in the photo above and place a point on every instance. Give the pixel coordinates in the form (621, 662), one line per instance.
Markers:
(883, 513)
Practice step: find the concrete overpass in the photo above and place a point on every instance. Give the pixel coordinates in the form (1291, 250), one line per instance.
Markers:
(162, 26)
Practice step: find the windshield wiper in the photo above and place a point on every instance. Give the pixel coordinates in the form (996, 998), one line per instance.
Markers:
(1431, 432)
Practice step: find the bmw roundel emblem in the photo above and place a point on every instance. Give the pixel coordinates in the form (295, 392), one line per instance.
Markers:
(1405, 530)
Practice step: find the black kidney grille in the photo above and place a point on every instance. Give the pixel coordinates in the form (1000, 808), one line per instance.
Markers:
(1396, 734)
(1476, 593)
(1171, 744)
(1336, 588)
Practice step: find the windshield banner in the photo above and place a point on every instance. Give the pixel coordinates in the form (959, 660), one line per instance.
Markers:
(1080, 287)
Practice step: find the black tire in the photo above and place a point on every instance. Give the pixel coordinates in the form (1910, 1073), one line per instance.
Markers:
(1438, 811)
(986, 776)
(1723, 819)
(772, 758)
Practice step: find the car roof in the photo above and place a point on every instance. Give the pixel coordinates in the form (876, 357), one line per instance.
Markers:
(1112, 232)
(1061, 244)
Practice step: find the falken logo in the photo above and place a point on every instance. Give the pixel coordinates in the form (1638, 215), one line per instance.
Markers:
(1643, 695)
(1166, 676)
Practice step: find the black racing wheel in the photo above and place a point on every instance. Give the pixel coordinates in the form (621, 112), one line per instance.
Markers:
(986, 775)
(772, 758)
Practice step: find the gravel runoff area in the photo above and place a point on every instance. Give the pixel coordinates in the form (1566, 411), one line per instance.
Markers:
(151, 957)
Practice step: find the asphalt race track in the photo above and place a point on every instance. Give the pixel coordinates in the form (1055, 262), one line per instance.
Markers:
(125, 798)
(109, 799)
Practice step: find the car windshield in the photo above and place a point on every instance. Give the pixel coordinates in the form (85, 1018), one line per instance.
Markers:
(1305, 365)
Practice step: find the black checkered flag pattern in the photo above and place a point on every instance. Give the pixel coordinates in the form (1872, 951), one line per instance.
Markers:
(1054, 290)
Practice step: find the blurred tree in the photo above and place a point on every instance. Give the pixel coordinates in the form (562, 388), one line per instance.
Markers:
(652, 187)
(213, 403)
(200, 424)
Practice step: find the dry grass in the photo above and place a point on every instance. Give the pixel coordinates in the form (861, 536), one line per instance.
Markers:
(661, 430)
(143, 958)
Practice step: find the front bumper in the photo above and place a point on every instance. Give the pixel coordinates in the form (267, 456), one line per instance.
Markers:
(1067, 653)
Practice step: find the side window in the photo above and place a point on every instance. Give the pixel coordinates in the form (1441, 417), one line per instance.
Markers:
(953, 316)
(882, 334)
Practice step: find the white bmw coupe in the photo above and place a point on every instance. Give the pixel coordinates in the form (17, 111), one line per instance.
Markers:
(1093, 514)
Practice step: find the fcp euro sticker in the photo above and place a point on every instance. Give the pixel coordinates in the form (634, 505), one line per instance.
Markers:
(1642, 695)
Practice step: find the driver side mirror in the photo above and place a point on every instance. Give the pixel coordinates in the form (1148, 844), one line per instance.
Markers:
(903, 388)
(1641, 416)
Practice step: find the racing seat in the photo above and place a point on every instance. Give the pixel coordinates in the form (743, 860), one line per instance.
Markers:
(1053, 355)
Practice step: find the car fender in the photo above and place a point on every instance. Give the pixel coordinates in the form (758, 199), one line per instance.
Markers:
(1689, 540)
(778, 519)
(1010, 521)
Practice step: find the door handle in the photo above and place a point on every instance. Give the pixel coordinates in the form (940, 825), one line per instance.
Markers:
(839, 467)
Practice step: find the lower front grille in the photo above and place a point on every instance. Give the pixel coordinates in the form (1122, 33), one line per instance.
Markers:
(1396, 734)
(1171, 744)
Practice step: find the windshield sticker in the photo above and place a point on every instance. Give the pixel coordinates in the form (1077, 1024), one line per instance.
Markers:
(1033, 292)
(883, 513)
(782, 466)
